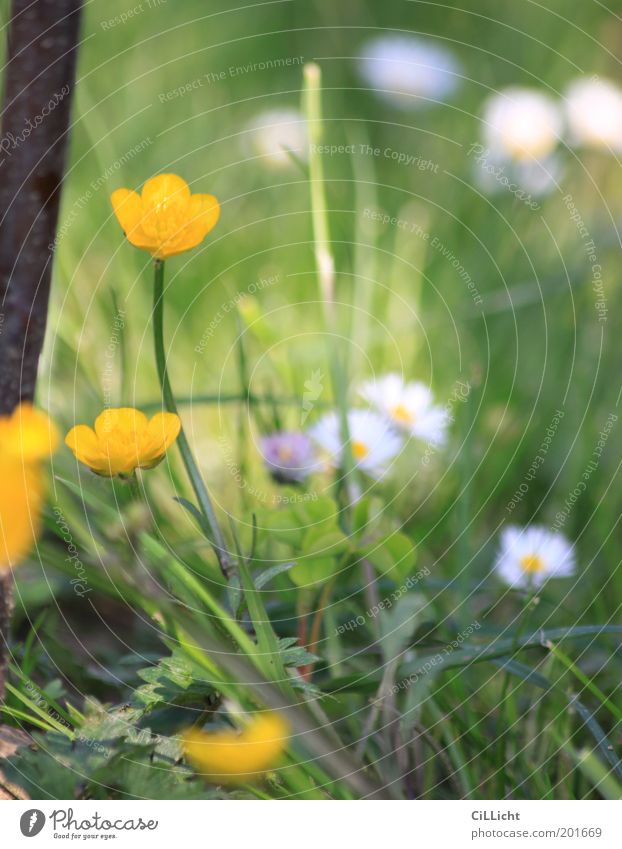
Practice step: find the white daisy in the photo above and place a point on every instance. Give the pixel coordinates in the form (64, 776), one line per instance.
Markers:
(495, 174)
(273, 133)
(530, 556)
(594, 113)
(374, 444)
(409, 406)
(521, 124)
(407, 70)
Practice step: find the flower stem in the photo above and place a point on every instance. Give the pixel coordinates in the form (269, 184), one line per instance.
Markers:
(316, 627)
(198, 485)
(325, 264)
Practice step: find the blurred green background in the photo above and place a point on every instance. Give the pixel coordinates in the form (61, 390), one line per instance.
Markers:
(533, 345)
(157, 93)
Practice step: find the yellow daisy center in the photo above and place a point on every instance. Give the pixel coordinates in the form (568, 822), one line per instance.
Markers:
(359, 449)
(532, 563)
(402, 414)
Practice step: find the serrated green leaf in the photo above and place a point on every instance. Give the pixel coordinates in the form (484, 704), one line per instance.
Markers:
(173, 680)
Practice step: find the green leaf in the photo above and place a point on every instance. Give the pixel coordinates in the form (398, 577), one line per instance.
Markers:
(55, 767)
(294, 654)
(174, 680)
(393, 556)
(266, 575)
(360, 516)
(469, 654)
(132, 768)
(314, 570)
(595, 771)
(318, 512)
(589, 720)
(399, 622)
(325, 543)
(270, 657)
(284, 525)
(197, 516)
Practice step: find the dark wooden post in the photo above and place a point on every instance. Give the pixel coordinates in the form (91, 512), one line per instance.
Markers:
(38, 88)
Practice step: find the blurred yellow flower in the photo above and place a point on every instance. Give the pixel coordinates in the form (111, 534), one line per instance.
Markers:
(27, 437)
(166, 219)
(229, 757)
(124, 440)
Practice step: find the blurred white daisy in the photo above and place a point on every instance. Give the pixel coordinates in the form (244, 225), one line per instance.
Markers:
(409, 406)
(521, 123)
(273, 133)
(530, 556)
(495, 174)
(374, 444)
(594, 113)
(407, 70)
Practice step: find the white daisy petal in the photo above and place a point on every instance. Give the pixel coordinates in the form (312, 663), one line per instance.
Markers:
(594, 113)
(373, 443)
(528, 557)
(409, 71)
(521, 124)
(275, 132)
(408, 406)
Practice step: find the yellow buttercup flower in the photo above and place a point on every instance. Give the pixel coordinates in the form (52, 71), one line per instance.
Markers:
(123, 440)
(165, 219)
(229, 757)
(27, 437)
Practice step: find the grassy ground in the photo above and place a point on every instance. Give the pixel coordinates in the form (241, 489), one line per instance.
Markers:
(540, 720)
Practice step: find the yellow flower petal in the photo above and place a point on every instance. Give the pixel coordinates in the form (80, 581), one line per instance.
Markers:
(26, 437)
(226, 757)
(166, 219)
(203, 215)
(82, 440)
(128, 208)
(164, 190)
(28, 434)
(21, 494)
(121, 421)
(123, 440)
(161, 432)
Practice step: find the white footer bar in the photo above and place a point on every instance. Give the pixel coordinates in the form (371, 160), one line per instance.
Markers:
(180, 825)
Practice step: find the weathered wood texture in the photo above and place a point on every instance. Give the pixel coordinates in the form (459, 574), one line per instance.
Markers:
(39, 78)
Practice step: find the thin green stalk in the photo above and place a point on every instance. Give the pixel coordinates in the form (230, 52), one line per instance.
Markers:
(321, 232)
(504, 721)
(235, 398)
(198, 485)
(585, 680)
(245, 409)
(325, 262)
(44, 715)
(133, 487)
(123, 391)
